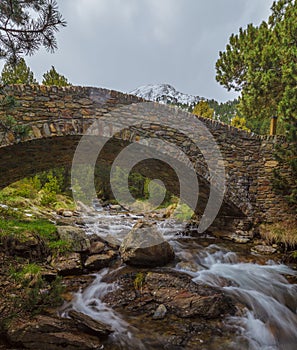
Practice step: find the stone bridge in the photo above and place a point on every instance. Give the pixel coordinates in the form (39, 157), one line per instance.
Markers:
(56, 118)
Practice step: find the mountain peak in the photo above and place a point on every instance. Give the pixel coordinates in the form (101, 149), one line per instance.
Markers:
(165, 93)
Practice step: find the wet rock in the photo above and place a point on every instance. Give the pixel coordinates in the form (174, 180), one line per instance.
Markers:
(90, 324)
(263, 249)
(113, 242)
(176, 291)
(160, 313)
(67, 213)
(238, 236)
(96, 248)
(145, 246)
(75, 237)
(49, 333)
(115, 207)
(68, 264)
(240, 239)
(188, 266)
(63, 221)
(64, 212)
(99, 261)
(184, 297)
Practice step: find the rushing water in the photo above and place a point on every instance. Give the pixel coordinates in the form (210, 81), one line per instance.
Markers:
(269, 319)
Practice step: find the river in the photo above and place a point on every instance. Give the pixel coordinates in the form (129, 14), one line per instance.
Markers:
(268, 320)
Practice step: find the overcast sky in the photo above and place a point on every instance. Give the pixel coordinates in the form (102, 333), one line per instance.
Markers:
(123, 44)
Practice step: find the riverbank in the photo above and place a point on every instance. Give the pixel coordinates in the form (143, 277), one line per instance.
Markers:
(50, 256)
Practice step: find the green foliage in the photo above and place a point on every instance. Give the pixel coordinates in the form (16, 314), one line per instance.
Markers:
(50, 189)
(224, 111)
(8, 124)
(202, 109)
(52, 77)
(139, 281)
(38, 294)
(239, 123)
(9, 213)
(26, 274)
(260, 61)
(183, 212)
(282, 184)
(59, 246)
(19, 228)
(25, 26)
(18, 73)
(52, 184)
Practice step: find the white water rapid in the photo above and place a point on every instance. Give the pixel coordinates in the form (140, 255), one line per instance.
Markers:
(268, 318)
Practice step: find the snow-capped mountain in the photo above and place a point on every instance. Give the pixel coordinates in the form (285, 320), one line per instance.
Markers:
(165, 93)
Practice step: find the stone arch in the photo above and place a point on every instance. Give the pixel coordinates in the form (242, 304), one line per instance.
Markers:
(58, 117)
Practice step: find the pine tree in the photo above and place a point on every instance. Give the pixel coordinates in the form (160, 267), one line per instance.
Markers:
(27, 25)
(261, 63)
(17, 74)
(52, 77)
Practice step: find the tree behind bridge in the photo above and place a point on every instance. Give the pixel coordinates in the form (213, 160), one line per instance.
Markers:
(52, 77)
(18, 73)
(261, 63)
(202, 109)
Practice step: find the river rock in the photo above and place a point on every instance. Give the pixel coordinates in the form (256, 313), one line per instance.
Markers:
(145, 246)
(50, 333)
(69, 264)
(240, 239)
(263, 249)
(75, 237)
(112, 241)
(188, 266)
(160, 313)
(90, 324)
(175, 290)
(96, 248)
(185, 298)
(115, 207)
(99, 261)
(238, 236)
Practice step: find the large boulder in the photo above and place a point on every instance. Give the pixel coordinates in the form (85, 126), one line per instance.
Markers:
(175, 290)
(145, 246)
(75, 237)
(53, 333)
(68, 264)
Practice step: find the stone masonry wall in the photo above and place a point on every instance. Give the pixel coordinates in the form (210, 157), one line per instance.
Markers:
(51, 112)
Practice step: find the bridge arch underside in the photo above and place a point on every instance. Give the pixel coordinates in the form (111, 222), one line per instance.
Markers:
(31, 157)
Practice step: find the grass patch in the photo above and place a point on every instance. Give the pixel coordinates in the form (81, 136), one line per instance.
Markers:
(19, 228)
(60, 246)
(37, 293)
(28, 274)
(284, 233)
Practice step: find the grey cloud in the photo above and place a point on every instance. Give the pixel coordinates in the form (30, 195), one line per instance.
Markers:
(122, 44)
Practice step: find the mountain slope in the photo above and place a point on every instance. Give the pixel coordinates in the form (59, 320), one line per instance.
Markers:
(165, 93)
